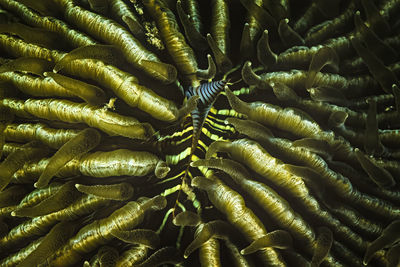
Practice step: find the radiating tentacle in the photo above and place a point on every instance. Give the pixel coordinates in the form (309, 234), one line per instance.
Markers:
(64, 197)
(186, 218)
(289, 37)
(162, 256)
(111, 32)
(181, 52)
(224, 64)
(381, 73)
(205, 232)
(393, 256)
(210, 72)
(262, 16)
(89, 237)
(16, 160)
(134, 255)
(324, 243)
(78, 145)
(57, 236)
(30, 64)
(107, 53)
(388, 237)
(324, 56)
(90, 93)
(143, 237)
(264, 53)
(373, 42)
(278, 239)
(375, 18)
(225, 200)
(122, 191)
(246, 46)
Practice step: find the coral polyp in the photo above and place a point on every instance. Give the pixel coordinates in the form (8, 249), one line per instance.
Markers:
(199, 133)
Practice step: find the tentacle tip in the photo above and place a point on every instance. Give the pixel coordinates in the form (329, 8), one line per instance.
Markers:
(196, 181)
(186, 255)
(197, 163)
(167, 72)
(162, 169)
(159, 202)
(250, 77)
(39, 185)
(217, 146)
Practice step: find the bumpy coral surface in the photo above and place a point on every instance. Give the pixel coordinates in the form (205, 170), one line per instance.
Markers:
(188, 133)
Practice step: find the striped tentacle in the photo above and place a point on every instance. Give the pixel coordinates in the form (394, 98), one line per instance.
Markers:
(208, 93)
(204, 119)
